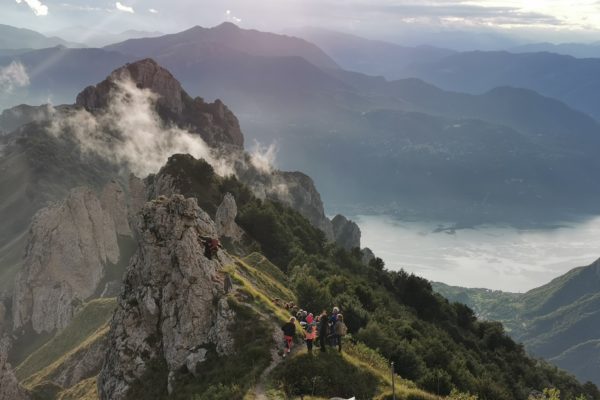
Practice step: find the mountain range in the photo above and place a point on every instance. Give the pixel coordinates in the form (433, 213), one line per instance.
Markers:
(429, 142)
(20, 38)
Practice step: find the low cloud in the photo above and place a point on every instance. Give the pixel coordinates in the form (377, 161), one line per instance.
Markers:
(153, 11)
(124, 8)
(130, 133)
(36, 6)
(263, 158)
(13, 76)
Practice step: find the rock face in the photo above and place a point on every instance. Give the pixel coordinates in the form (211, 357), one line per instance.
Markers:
(294, 189)
(9, 385)
(213, 121)
(69, 245)
(225, 219)
(173, 304)
(347, 233)
(114, 201)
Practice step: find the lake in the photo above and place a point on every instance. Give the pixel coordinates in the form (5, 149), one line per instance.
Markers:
(494, 257)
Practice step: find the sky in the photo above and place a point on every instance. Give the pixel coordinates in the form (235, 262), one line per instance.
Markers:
(529, 20)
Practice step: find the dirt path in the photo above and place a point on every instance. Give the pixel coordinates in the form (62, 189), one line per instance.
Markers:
(260, 392)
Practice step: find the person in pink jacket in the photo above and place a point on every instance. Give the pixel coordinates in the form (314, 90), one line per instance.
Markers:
(310, 331)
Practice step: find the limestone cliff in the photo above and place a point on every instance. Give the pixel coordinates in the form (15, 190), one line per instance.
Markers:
(347, 233)
(69, 245)
(173, 306)
(214, 122)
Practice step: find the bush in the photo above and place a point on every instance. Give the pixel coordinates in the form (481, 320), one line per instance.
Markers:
(325, 375)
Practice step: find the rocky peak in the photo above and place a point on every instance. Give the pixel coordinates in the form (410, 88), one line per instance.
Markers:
(69, 244)
(225, 219)
(214, 122)
(347, 233)
(173, 307)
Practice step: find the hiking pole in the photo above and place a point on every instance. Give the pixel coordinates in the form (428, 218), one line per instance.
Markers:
(393, 383)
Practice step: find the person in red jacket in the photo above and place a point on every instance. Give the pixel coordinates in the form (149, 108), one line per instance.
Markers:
(289, 331)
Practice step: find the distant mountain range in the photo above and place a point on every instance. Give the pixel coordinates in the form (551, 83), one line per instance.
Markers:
(559, 321)
(99, 38)
(372, 57)
(579, 50)
(571, 80)
(19, 38)
(507, 155)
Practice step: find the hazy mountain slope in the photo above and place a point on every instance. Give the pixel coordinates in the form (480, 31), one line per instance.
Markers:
(579, 50)
(571, 80)
(93, 37)
(20, 38)
(57, 74)
(372, 57)
(230, 36)
(558, 321)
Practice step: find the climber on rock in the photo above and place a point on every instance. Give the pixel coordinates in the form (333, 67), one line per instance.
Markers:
(211, 246)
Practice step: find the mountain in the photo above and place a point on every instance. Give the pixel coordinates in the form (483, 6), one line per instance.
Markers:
(557, 321)
(578, 50)
(227, 35)
(372, 57)
(188, 322)
(533, 144)
(93, 37)
(20, 38)
(568, 79)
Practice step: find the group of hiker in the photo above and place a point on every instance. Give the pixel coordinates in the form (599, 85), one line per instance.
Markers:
(328, 329)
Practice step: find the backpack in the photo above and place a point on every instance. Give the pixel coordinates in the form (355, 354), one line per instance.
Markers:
(309, 328)
(341, 328)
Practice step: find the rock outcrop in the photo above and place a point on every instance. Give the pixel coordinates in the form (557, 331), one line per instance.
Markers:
(346, 233)
(214, 122)
(225, 219)
(114, 201)
(173, 307)
(294, 189)
(69, 245)
(9, 385)
(367, 255)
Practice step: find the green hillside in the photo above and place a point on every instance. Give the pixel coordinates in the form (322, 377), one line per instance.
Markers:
(558, 321)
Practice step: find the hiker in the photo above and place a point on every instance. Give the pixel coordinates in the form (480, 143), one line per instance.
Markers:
(289, 331)
(323, 330)
(332, 321)
(211, 247)
(310, 332)
(339, 331)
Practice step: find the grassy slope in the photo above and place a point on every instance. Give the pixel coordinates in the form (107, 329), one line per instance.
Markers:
(265, 282)
(86, 325)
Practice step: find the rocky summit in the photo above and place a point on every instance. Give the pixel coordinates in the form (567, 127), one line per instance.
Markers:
(173, 306)
(214, 122)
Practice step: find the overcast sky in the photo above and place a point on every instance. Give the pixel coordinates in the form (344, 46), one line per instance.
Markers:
(555, 20)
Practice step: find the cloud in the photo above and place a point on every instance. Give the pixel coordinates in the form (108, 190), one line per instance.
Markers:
(263, 158)
(130, 133)
(36, 6)
(124, 8)
(153, 11)
(12, 76)
(231, 18)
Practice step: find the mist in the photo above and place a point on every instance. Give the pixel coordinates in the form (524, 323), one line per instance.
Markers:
(487, 256)
(130, 133)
